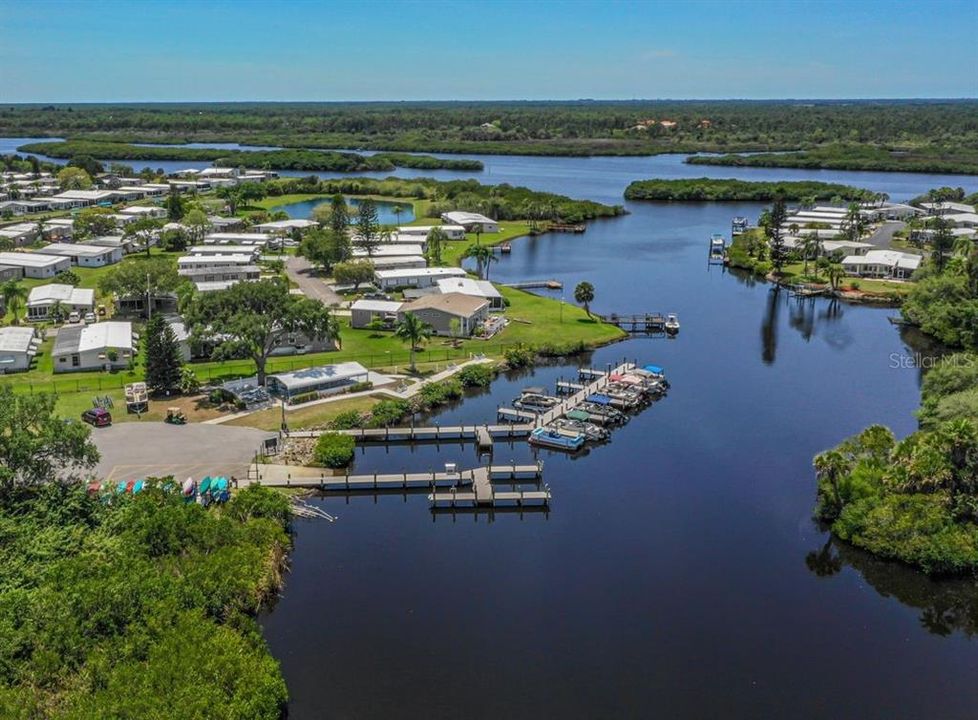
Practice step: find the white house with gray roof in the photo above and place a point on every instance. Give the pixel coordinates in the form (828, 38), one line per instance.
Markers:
(100, 346)
(18, 346)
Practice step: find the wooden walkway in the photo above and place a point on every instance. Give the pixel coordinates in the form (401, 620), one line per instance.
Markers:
(638, 323)
(482, 434)
(472, 487)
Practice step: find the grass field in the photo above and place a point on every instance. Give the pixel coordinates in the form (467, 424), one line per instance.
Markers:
(303, 417)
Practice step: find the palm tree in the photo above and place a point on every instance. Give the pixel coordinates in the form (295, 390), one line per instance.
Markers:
(836, 273)
(853, 224)
(14, 297)
(483, 257)
(397, 210)
(413, 330)
(831, 466)
(584, 294)
(811, 247)
(57, 312)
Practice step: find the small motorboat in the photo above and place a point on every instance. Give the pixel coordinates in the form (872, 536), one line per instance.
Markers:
(672, 324)
(552, 437)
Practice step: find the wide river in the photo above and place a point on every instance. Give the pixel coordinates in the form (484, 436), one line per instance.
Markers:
(678, 573)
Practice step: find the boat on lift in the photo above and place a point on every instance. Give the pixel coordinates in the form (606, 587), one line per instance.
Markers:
(672, 324)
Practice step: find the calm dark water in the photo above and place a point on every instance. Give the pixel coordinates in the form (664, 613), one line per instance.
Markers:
(385, 210)
(678, 573)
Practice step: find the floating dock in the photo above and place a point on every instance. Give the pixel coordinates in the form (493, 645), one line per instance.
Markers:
(649, 323)
(530, 284)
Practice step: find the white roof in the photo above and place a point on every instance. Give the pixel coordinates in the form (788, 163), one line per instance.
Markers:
(460, 217)
(426, 229)
(226, 259)
(16, 339)
(391, 250)
(97, 336)
(249, 238)
(299, 223)
(890, 258)
(963, 218)
(955, 206)
(376, 305)
(141, 209)
(57, 292)
(63, 222)
(214, 285)
(71, 250)
(84, 195)
(311, 377)
(27, 259)
(468, 286)
(421, 272)
(210, 250)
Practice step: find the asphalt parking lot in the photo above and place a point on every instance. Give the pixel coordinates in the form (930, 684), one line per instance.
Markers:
(136, 450)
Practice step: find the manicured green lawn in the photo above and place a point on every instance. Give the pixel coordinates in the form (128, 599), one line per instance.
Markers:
(303, 417)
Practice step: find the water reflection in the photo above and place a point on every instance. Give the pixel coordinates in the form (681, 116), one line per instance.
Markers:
(946, 606)
(769, 325)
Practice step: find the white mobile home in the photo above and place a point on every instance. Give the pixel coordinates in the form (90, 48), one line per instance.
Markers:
(454, 232)
(102, 346)
(84, 255)
(18, 346)
(417, 278)
(882, 264)
(44, 297)
(364, 312)
(470, 221)
(35, 265)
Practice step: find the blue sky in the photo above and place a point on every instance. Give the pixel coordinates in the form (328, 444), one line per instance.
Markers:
(176, 50)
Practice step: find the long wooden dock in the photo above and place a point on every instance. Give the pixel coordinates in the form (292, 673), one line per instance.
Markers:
(483, 434)
(473, 487)
(531, 284)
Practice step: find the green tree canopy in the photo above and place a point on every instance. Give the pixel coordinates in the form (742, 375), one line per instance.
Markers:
(93, 222)
(155, 276)
(253, 318)
(36, 445)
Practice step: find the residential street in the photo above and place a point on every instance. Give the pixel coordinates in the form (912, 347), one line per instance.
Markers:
(312, 286)
(883, 236)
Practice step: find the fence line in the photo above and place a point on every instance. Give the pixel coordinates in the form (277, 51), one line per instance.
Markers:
(237, 368)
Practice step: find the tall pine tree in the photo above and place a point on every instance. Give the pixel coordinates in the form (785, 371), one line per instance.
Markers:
(163, 357)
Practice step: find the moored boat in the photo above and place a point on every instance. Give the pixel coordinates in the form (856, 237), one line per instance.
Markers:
(552, 437)
(672, 324)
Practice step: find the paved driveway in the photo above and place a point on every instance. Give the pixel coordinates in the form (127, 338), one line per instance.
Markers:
(883, 236)
(312, 286)
(135, 450)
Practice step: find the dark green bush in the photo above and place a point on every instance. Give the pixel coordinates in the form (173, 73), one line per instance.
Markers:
(334, 450)
(478, 375)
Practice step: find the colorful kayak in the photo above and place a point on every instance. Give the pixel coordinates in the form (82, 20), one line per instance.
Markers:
(138, 487)
(205, 485)
(188, 487)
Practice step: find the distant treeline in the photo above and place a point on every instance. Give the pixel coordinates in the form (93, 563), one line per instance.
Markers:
(949, 158)
(547, 128)
(501, 202)
(287, 159)
(707, 189)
